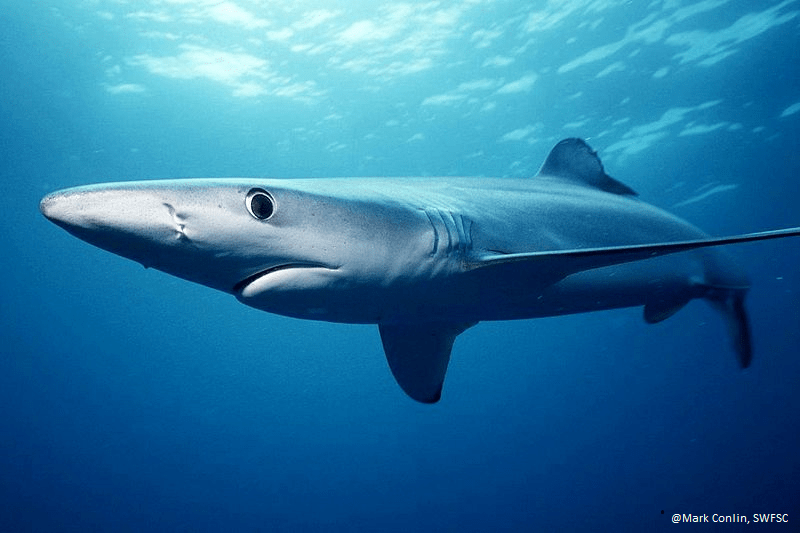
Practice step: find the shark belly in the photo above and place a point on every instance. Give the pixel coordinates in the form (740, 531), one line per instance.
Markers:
(463, 298)
(658, 282)
(662, 284)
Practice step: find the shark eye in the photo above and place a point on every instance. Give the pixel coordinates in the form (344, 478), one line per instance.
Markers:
(260, 204)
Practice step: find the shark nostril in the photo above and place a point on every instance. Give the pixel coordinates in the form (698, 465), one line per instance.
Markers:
(180, 226)
(180, 233)
(178, 218)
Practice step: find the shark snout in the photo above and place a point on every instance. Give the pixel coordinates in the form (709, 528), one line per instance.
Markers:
(68, 210)
(159, 228)
(96, 209)
(119, 220)
(52, 207)
(73, 209)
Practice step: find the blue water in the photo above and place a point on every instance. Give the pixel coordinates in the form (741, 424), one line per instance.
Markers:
(133, 401)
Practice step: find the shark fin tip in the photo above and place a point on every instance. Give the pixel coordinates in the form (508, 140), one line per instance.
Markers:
(574, 160)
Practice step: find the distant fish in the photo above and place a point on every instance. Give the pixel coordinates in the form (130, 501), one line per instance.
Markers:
(791, 110)
(705, 194)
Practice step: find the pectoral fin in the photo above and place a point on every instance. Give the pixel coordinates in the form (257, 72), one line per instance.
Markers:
(561, 263)
(418, 355)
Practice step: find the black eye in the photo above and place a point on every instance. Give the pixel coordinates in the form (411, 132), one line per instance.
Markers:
(260, 204)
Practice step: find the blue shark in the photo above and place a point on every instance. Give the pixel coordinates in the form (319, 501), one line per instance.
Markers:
(423, 258)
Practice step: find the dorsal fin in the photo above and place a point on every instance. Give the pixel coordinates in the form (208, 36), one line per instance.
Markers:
(574, 160)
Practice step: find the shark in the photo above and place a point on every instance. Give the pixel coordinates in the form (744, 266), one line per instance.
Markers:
(422, 258)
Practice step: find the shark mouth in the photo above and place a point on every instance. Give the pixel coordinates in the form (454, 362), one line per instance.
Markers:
(261, 274)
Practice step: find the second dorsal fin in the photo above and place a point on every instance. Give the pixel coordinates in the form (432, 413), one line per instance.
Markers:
(574, 160)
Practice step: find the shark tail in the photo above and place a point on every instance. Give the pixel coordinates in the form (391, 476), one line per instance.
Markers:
(730, 303)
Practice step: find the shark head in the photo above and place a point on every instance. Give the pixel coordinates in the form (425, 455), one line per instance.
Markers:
(279, 246)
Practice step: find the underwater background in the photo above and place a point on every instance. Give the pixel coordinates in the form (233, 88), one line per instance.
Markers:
(134, 401)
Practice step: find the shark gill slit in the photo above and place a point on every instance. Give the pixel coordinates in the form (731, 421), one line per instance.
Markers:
(457, 228)
(435, 247)
(449, 228)
(464, 227)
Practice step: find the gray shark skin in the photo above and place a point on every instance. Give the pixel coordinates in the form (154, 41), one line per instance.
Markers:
(423, 258)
